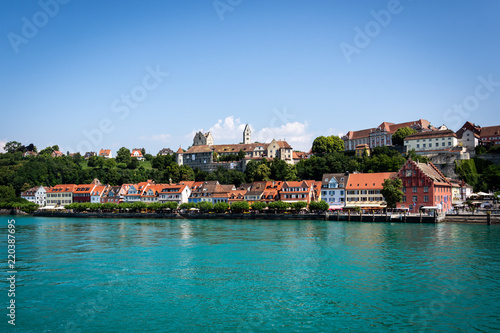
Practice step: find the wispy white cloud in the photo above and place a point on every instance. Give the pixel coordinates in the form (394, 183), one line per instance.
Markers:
(163, 138)
(228, 130)
(335, 131)
(2, 144)
(296, 134)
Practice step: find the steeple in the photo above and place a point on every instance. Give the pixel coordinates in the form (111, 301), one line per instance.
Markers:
(247, 133)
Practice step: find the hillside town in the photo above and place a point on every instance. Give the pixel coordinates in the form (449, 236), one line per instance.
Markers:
(424, 185)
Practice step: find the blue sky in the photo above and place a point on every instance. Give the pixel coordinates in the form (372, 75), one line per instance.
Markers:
(88, 75)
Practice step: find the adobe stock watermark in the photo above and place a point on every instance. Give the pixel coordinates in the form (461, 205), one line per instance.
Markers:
(31, 26)
(449, 293)
(279, 119)
(457, 115)
(223, 6)
(121, 107)
(371, 30)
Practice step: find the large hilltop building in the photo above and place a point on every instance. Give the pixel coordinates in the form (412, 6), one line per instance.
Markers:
(381, 135)
(204, 154)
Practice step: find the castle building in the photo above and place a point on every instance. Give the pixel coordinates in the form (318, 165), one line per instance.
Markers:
(207, 156)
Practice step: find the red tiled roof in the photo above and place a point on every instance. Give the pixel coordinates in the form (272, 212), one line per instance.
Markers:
(199, 149)
(136, 152)
(62, 188)
(388, 127)
(368, 180)
(83, 188)
(104, 152)
(490, 131)
(431, 134)
(283, 145)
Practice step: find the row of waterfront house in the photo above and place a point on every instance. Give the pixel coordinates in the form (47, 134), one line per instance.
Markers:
(424, 186)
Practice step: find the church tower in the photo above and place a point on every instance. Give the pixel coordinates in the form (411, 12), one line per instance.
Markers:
(247, 135)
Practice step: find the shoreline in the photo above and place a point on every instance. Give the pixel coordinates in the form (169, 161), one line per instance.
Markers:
(449, 218)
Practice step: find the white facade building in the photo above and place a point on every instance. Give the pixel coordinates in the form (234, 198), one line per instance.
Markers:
(333, 189)
(431, 142)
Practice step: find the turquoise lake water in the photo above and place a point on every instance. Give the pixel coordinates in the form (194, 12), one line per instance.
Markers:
(108, 275)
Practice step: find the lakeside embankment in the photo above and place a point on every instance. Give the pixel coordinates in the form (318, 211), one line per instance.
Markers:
(477, 218)
(409, 218)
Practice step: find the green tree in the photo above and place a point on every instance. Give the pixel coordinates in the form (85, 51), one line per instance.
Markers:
(280, 170)
(241, 155)
(7, 193)
(221, 207)
(170, 205)
(299, 205)
(109, 163)
(204, 206)
(161, 162)
(319, 206)
(31, 147)
(139, 205)
(109, 206)
(278, 205)
(187, 205)
(123, 155)
(12, 146)
(133, 163)
(327, 144)
(240, 206)
(155, 206)
(263, 172)
(259, 206)
(47, 151)
(391, 190)
(399, 136)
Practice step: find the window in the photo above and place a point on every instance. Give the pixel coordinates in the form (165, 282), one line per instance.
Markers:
(449, 143)
(426, 188)
(404, 189)
(426, 198)
(418, 146)
(414, 198)
(423, 146)
(404, 198)
(414, 189)
(430, 145)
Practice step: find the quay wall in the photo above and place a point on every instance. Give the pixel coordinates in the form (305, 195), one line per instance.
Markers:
(480, 218)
